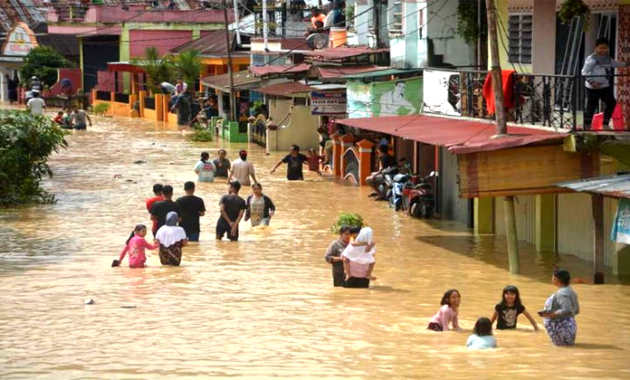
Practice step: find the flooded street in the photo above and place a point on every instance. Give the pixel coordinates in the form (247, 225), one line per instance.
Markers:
(265, 306)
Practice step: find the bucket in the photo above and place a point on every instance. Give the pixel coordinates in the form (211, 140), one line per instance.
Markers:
(338, 37)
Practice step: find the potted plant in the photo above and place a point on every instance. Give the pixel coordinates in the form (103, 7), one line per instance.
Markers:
(347, 219)
(571, 9)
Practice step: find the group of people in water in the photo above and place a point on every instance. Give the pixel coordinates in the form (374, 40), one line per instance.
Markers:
(352, 260)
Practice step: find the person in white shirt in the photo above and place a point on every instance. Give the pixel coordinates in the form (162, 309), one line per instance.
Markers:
(36, 104)
(180, 90)
(242, 169)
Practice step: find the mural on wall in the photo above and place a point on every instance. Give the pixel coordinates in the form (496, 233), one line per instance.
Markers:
(441, 89)
(394, 98)
(621, 227)
(623, 54)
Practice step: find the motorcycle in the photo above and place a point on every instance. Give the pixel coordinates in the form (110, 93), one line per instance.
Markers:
(396, 185)
(418, 199)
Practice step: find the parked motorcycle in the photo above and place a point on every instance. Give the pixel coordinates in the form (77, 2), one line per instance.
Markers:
(396, 185)
(418, 199)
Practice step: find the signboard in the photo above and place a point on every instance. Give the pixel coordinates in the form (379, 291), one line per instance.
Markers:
(621, 228)
(441, 89)
(328, 103)
(20, 41)
(394, 98)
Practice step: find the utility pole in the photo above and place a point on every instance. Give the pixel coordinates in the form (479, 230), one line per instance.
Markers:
(229, 55)
(497, 85)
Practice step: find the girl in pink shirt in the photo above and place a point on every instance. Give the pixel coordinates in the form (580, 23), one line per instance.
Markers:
(447, 313)
(135, 246)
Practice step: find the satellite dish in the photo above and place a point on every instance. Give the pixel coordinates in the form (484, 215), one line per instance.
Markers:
(317, 41)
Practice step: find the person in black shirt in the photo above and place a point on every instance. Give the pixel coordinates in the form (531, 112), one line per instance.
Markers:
(192, 208)
(232, 210)
(386, 165)
(294, 161)
(162, 208)
(507, 311)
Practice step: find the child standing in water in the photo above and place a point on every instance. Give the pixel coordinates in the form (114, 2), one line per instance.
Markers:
(482, 336)
(447, 313)
(135, 246)
(360, 251)
(507, 311)
(313, 161)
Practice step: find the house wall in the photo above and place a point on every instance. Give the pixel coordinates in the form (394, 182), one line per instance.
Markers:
(163, 40)
(525, 207)
(442, 34)
(409, 50)
(450, 205)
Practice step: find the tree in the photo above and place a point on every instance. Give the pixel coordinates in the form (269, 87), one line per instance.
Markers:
(188, 65)
(26, 141)
(43, 62)
(157, 68)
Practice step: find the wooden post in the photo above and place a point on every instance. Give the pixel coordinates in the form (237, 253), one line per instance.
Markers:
(365, 160)
(497, 81)
(598, 230)
(510, 235)
(336, 158)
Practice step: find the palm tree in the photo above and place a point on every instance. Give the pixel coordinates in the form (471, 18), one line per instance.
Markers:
(156, 67)
(188, 65)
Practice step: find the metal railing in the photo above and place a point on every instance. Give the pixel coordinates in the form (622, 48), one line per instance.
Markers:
(551, 101)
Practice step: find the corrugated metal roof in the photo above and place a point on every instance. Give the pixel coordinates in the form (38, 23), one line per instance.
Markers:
(614, 186)
(212, 45)
(343, 52)
(460, 136)
(384, 72)
(279, 69)
(334, 72)
(286, 89)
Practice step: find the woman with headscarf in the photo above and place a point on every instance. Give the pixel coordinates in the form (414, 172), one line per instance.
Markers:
(560, 310)
(171, 239)
(358, 258)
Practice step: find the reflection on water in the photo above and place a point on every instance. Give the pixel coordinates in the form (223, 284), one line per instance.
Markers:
(265, 306)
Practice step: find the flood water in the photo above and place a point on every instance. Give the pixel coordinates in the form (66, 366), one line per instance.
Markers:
(265, 306)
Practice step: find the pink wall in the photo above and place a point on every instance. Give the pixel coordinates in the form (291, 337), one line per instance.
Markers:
(163, 40)
(75, 76)
(106, 81)
(113, 14)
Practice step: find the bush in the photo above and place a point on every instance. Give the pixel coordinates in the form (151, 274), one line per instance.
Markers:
(347, 219)
(43, 62)
(201, 135)
(101, 108)
(26, 141)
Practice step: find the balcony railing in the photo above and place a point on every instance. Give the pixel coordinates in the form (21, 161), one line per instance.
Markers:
(550, 101)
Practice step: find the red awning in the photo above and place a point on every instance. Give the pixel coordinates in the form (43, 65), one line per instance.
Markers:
(331, 72)
(460, 136)
(343, 52)
(279, 69)
(125, 67)
(286, 89)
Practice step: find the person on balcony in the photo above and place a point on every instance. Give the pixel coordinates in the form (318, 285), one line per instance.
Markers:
(316, 15)
(599, 82)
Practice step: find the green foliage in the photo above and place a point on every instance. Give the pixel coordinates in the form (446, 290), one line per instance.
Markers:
(468, 23)
(26, 141)
(347, 219)
(200, 135)
(43, 62)
(188, 65)
(157, 68)
(101, 108)
(571, 9)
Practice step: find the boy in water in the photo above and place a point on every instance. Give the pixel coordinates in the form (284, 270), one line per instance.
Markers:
(314, 161)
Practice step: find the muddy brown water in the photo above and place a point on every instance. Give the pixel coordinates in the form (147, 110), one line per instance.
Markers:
(264, 307)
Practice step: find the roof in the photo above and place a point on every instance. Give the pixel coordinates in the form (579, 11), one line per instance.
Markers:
(125, 66)
(66, 44)
(460, 136)
(279, 69)
(243, 80)
(26, 11)
(211, 45)
(385, 71)
(614, 186)
(286, 89)
(285, 43)
(333, 72)
(343, 52)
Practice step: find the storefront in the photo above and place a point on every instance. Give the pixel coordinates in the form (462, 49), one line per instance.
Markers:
(20, 40)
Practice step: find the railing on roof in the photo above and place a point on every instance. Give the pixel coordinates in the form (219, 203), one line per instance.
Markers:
(544, 100)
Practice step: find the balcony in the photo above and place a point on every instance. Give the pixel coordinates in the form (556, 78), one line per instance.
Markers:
(109, 14)
(546, 101)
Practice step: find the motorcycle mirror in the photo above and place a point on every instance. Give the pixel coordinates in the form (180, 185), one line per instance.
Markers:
(432, 174)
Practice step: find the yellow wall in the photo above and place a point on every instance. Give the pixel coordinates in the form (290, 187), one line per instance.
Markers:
(502, 31)
(301, 126)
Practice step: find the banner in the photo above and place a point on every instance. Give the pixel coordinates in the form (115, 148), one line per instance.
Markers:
(394, 98)
(328, 103)
(441, 89)
(621, 227)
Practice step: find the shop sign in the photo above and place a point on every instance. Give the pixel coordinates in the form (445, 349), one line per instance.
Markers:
(441, 89)
(20, 41)
(328, 103)
(621, 227)
(393, 98)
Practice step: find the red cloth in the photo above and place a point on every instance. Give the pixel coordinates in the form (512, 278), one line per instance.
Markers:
(150, 202)
(507, 77)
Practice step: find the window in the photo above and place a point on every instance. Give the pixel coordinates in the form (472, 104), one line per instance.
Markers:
(395, 18)
(520, 38)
